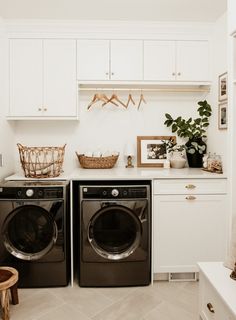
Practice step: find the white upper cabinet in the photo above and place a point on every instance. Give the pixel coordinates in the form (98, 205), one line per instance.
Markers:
(43, 78)
(192, 62)
(231, 9)
(176, 61)
(59, 70)
(93, 59)
(110, 59)
(26, 72)
(127, 60)
(159, 60)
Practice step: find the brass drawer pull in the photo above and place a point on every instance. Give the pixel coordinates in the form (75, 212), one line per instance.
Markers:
(210, 307)
(190, 198)
(190, 186)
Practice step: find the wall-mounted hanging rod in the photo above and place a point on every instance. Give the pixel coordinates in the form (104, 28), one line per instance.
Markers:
(170, 90)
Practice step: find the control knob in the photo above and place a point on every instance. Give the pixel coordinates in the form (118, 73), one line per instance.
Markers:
(29, 192)
(115, 192)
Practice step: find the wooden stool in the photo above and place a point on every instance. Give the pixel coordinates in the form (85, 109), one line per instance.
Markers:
(8, 280)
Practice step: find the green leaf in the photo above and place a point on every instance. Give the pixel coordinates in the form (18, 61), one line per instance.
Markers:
(168, 116)
(198, 120)
(174, 128)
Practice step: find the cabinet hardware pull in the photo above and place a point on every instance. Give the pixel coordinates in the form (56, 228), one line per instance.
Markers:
(39, 109)
(190, 198)
(45, 109)
(112, 73)
(179, 73)
(210, 307)
(190, 186)
(173, 73)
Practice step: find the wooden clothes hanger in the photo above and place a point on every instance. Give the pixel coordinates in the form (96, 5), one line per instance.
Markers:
(141, 100)
(130, 99)
(114, 97)
(99, 97)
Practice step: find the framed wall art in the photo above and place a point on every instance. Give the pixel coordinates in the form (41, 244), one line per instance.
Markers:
(151, 150)
(223, 87)
(223, 115)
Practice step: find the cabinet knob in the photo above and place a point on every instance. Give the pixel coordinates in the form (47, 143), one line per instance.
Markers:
(112, 73)
(190, 198)
(173, 73)
(210, 307)
(179, 73)
(39, 109)
(107, 73)
(190, 186)
(45, 109)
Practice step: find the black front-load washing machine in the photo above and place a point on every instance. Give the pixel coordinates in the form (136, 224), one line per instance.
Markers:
(115, 234)
(34, 231)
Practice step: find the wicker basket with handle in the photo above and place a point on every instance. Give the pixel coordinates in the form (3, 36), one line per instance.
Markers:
(97, 162)
(41, 162)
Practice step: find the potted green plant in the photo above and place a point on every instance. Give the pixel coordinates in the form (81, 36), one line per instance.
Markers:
(194, 130)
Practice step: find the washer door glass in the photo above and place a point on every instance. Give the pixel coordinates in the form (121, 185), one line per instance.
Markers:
(29, 232)
(114, 232)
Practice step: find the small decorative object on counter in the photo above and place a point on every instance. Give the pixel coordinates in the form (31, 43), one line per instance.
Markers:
(205, 160)
(176, 155)
(129, 153)
(101, 162)
(166, 164)
(233, 273)
(214, 163)
(41, 162)
(177, 160)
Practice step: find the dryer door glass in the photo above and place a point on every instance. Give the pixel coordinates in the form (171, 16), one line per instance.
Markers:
(29, 232)
(114, 232)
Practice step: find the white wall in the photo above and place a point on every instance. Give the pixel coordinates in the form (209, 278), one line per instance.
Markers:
(107, 128)
(110, 128)
(218, 139)
(6, 129)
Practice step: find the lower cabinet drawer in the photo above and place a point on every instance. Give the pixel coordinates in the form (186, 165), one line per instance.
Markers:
(190, 186)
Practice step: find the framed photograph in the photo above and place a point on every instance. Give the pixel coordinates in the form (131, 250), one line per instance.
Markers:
(223, 87)
(151, 150)
(223, 115)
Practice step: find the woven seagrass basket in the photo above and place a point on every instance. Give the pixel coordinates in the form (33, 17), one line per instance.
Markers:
(41, 162)
(97, 162)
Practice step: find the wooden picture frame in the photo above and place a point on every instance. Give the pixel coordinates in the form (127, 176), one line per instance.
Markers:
(151, 150)
(223, 115)
(223, 87)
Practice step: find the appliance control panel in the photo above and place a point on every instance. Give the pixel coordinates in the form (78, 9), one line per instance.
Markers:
(114, 192)
(31, 192)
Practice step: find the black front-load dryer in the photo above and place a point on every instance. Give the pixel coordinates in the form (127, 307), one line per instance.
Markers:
(115, 235)
(34, 231)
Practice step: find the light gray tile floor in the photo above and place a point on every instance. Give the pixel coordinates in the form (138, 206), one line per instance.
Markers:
(162, 301)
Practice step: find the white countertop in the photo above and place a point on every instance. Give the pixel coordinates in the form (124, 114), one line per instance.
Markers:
(219, 277)
(119, 173)
(142, 174)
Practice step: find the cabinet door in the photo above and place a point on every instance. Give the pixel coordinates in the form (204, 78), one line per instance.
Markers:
(159, 60)
(192, 61)
(26, 72)
(126, 60)
(93, 59)
(188, 230)
(59, 84)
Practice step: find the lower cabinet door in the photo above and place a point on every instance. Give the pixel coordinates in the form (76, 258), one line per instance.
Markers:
(188, 229)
